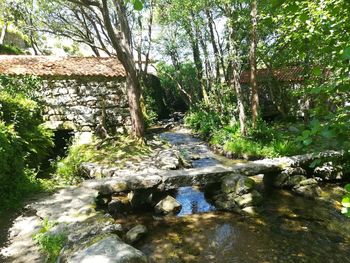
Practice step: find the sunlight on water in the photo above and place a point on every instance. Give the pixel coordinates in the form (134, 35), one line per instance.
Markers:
(192, 201)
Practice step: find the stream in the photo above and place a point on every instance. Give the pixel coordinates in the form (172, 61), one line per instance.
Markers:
(289, 228)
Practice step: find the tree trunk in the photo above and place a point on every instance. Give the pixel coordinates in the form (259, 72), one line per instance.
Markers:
(3, 33)
(240, 103)
(122, 46)
(213, 43)
(253, 70)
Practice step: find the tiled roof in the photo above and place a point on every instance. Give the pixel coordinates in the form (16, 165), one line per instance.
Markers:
(61, 66)
(290, 74)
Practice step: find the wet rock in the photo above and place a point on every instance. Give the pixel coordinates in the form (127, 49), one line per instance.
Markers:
(111, 250)
(253, 198)
(329, 171)
(136, 233)
(168, 205)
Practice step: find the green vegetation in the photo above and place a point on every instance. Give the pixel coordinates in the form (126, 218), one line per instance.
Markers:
(267, 140)
(346, 201)
(115, 151)
(24, 144)
(10, 50)
(50, 243)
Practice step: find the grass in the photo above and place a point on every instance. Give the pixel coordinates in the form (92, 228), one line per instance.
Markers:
(113, 152)
(51, 244)
(269, 139)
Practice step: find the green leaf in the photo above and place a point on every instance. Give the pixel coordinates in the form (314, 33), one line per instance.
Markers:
(304, 17)
(317, 71)
(346, 53)
(327, 134)
(346, 201)
(138, 5)
(347, 187)
(307, 142)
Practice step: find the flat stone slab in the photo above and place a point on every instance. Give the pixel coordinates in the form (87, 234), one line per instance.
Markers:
(109, 250)
(172, 179)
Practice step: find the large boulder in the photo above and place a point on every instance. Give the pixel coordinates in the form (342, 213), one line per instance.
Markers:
(168, 205)
(108, 250)
(136, 233)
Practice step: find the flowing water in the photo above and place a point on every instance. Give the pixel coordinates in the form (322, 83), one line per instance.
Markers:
(288, 228)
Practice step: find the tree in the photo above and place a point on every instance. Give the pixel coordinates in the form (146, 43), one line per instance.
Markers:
(104, 27)
(252, 55)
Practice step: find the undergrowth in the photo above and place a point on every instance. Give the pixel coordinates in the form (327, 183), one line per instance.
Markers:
(50, 243)
(112, 152)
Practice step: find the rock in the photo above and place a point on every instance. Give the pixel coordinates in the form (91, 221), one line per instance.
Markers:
(109, 250)
(168, 205)
(295, 180)
(311, 190)
(117, 206)
(310, 181)
(329, 171)
(136, 233)
(280, 180)
(229, 183)
(244, 185)
(113, 229)
(251, 199)
(250, 210)
(140, 199)
(294, 171)
(224, 203)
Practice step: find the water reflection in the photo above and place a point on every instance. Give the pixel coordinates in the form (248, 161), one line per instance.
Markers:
(192, 201)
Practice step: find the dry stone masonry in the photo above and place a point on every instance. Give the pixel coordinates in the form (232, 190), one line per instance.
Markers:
(82, 104)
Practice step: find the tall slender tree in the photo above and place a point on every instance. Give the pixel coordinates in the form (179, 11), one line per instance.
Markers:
(253, 69)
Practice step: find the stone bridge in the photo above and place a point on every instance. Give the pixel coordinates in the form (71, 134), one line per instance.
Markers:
(173, 179)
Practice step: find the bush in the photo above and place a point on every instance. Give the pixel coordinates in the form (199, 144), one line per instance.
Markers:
(24, 144)
(10, 50)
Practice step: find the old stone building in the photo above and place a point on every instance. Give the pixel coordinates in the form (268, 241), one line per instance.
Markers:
(79, 93)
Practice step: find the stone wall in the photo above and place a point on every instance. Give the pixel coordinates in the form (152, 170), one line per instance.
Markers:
(81, 104)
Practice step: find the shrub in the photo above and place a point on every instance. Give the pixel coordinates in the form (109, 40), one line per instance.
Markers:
(24, 144)
(10, 50)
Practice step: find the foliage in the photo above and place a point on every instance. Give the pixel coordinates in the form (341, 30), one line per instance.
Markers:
(24, 144)
(10, 50)
(346, 201)
(114, 151)
(181, 87)
(50, 243)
